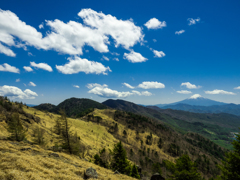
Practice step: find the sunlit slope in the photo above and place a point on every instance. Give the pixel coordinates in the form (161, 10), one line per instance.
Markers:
(24, 161)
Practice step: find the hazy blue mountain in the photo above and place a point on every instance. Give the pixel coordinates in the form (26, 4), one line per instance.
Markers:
(227, 108)
(195, 100)
(31, 105)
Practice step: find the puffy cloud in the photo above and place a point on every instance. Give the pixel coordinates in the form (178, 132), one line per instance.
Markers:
(116, 54)
(30, 54)
(27, 68)
(116, 59)
(159, 54)
(217, 91)
(109, 93)
(237, 87)
(128, 85)
(134, 57)
(184, 92)
(8, 68)
(125, 33)
(195, 96)
(146, 93)
(76, 86)
(41, 26)
(43, 66)
(154, 40)
(179, 32)
(69, 38)
(105, 92)
(77, 64)
(155, 24)
(5, 50)
(17, 80)
(8, 23)
(143, 93)
(105, 58)
(30, 94)
(192, 21)
(151, 85)
(32, 84)
(15, 92)
(190, 86)
(92, 85)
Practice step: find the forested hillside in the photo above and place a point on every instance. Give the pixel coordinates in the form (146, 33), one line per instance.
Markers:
(150, 144)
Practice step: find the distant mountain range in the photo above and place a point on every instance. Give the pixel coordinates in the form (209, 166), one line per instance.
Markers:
(199, 104)
(214, 126)
(195, 100)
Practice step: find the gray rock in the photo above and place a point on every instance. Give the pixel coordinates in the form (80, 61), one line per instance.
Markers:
(90, 173)
(54, 154)
(25, 149)
(157, 177)
(116, 172)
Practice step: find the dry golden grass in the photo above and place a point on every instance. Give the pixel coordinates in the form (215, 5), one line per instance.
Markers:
(36, 163)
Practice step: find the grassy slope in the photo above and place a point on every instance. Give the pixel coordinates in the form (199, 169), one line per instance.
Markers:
(35, 164)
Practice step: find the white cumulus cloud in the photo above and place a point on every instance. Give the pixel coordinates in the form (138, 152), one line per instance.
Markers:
(77, 64)
(184, 92)
(109, 93)
(43, 66)
(32, 84)
(17, 80)
(76, 86)
(5, 50)
(125, 33)
(105, 58)
(192, 21)
(146, 93)
(217, 91)
(15, 92)
(41, 26)
(190, 86)
(71, 37)
(154, 40)
(27, 68)
(92, 85)
(159, 54)
(128, 85)
(134, 57)
(179, 32)
(143, 93)
(154, 23)
(8, 68)
(237, 87)
(151, 85)
(105, 92)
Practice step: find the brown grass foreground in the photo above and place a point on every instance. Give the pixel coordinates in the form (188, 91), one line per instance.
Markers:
(37, 163)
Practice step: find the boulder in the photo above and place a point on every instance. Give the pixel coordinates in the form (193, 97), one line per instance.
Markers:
(157, 177)
(90, 173)
(54, 154)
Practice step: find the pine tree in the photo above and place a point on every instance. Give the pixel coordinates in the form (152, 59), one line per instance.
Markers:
(185, 169)
(231, 166)
(38, 135)
(119, 160)
(65, 128)
(135, 172)
(15, 128)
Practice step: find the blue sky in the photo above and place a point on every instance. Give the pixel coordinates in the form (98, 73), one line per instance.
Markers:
(166, 51)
